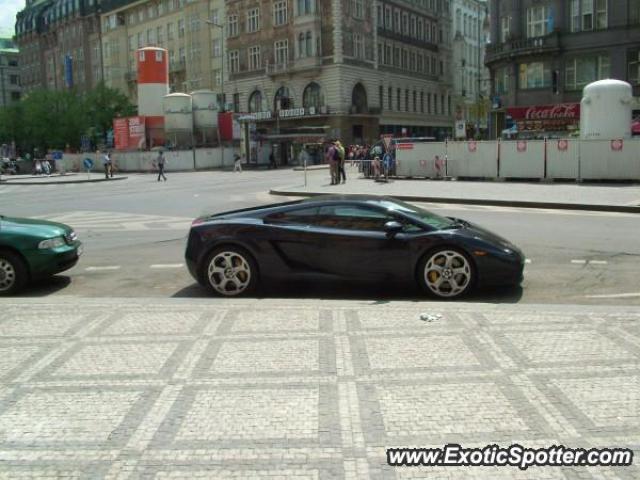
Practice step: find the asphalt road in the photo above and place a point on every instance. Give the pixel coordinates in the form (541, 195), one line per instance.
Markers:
(134, 234)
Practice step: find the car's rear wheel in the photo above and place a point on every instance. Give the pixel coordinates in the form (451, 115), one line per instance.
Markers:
(13, 273)
(447, 273)
(231, 272)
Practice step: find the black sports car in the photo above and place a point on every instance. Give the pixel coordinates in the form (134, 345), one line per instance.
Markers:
(357, 237)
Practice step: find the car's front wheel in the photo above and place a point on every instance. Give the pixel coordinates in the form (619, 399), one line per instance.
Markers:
(231, 272)
(446, 273)
(13, 273)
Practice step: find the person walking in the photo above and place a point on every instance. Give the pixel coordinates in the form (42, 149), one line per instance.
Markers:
(272, 160)
(106, 162)
(340, 170)
(161, 162)
(237, 163)
(332, 157)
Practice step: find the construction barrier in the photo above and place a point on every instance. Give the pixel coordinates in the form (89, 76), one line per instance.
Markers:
(421, 159)
(472, 159)
(521, 159)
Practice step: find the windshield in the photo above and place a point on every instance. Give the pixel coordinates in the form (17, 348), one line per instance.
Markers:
(425, 216)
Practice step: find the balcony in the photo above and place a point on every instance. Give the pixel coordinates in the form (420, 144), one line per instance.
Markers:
(522, 47)
(274, 69)
(301, 64)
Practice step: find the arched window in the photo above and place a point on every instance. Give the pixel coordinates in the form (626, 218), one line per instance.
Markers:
(283, 95)
(312, 96)
(301, 45)
(309, 45)
(255, 102)
(359, 99)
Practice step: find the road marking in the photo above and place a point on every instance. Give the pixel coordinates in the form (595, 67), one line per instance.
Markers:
(105, 267)
(579, 262)
(615, 295)
(527, 260)
(167, 265)
(598, 262)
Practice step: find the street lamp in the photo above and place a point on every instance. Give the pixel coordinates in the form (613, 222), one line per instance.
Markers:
(221, 27)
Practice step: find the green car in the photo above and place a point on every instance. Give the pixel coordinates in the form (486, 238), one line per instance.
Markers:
(33, 249)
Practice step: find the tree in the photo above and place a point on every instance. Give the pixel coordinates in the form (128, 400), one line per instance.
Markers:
(46, 119)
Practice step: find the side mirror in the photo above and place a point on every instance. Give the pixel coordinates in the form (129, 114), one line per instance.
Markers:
(392, 228)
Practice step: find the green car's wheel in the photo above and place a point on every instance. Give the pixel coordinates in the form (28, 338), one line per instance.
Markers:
(13, 273)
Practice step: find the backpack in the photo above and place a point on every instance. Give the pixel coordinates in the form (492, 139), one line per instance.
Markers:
(336, 154)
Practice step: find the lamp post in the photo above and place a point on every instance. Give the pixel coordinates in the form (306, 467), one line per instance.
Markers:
(221, 27)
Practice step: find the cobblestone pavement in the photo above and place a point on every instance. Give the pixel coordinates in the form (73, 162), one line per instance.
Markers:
(307, 389)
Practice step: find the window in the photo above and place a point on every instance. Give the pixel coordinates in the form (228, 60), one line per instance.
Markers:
(347, 217)
(14, 80)
(169, 31)
(236, 102)
(634, 12)
(253, 20)
(160, 35)
(420, 30)
(234, 61)
(537, 21)
(406, 100)
(181, 28)
(281, 52)
(131, 43)
(387, 17)
(358, 9)
(358, 45)
(588, 15)
(390, 98)
(15, 96)
(215, 14)
(255, 102)
(381, 97)
(379, 17)
(254, 58)
(232, 26)
(303, 216)
(405, 24)
(140, 39)
(505, 28)
(421, 102)
(396, 21)
(217, 79)
(583, 70)
(309, 44)
(280, 12)
(387, 54)
(398, 99)
(306, 7)
(312, 96)
(282, 99)
(216, 49)
(502, 81)
(413, 26)
(534, 75)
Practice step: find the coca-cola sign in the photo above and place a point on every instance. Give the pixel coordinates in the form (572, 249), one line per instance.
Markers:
(567, 111)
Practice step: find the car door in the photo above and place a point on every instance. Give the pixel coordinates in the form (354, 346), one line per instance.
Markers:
(294, 245)
(355, 244)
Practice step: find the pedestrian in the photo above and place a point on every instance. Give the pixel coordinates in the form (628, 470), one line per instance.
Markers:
(106, 162)
(237, 163)
(341, 157)
(376, 167)
(332, 157)
(272, 160)
(161, 162)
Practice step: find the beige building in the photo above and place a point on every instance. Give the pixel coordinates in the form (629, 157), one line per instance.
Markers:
(194, 46)
(354, 69)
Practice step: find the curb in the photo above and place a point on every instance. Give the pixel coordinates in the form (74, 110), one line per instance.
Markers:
(62, 182)
(475, 201)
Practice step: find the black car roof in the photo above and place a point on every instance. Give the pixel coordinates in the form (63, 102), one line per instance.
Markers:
(357, 198)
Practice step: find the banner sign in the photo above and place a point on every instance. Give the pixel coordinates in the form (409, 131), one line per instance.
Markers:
(129, 133)
(562, 116)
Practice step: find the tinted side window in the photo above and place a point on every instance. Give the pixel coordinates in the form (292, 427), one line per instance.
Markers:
(349, 217)
(303, 216)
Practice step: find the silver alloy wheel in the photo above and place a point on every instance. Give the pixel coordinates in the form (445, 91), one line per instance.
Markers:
(447, 273)
(229, 273)
(7, 275)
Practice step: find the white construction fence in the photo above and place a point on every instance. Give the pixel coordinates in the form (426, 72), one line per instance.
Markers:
(569, 159)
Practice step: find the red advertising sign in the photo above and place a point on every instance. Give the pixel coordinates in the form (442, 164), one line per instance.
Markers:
(121, 133)
(521, 146)
(546, 117)
(617, 145)
(404, 146)
(563, 145)
(136, 132)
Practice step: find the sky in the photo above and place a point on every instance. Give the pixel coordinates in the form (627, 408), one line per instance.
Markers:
(8, 10)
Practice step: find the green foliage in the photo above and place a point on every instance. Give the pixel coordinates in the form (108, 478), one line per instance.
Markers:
(46, 119)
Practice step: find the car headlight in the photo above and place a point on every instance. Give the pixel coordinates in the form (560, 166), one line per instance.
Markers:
(51, 243)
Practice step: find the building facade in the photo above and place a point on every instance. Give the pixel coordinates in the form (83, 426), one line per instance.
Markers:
(59, 43)
(10, 90)
(187, 29)
(471, 77)
(356, 69)
(543, 52)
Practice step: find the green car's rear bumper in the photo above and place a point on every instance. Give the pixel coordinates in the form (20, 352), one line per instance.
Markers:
(49, 261)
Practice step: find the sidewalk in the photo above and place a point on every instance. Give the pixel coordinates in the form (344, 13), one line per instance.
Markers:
(615, 197)
(255, 388)
(56, 179)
